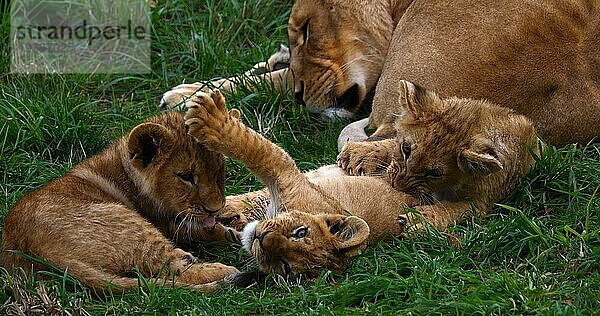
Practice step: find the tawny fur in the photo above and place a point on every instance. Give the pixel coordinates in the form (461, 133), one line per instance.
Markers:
(339, 212)
(116, 211)
(311, 200)
(538, 57)
(454, 155)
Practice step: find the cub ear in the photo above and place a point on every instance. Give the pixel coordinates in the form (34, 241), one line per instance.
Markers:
(351, 232)
(147, 142)
(416, 100)
(480, 158)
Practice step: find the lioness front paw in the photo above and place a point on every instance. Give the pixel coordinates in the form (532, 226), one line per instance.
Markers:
(362, 159)
(207, 116)
(175, 98)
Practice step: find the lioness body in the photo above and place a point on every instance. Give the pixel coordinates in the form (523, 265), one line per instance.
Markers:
(538, 57)
(111, 213)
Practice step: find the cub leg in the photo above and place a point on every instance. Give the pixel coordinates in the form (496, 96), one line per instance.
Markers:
(440, 215)
(210, 123)
(369, 158)
(191, 232)
(205, 277)
(100, 243)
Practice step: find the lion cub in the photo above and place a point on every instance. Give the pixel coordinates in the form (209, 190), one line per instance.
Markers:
(454, 155)
(314, 221)
(318, 220)
(115, 211)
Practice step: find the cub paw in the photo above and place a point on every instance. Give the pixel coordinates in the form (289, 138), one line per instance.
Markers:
(231, 217)
(416, 222)
(218, 271)
(410, 224)
(361, 159)
(233, 236)
(207, 115)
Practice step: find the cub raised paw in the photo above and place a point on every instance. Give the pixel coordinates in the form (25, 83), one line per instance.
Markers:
(207, 116)
(365, 158)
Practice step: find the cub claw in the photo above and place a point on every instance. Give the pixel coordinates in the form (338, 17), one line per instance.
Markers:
(363, 159)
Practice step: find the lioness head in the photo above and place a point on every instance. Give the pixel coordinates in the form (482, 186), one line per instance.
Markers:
(337, 52)
(183, 179)
(445, 143)
(298, 242)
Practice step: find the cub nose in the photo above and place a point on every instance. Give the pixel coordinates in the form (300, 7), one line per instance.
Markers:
(299, 94)
(211, 210)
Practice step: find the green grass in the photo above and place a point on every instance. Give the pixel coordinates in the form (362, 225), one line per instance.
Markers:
(538, 253)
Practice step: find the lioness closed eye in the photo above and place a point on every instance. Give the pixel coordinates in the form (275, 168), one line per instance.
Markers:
(114, 212)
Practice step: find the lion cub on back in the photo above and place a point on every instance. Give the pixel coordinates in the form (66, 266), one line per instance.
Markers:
(319, 219)
(114, 212)
(454, 155)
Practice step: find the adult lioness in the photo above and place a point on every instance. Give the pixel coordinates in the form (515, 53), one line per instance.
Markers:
(538, 57)
(463, 155)
(114, 212)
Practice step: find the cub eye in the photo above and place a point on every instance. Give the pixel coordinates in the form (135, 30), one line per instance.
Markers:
(300, 232)
(305, 32)
(187, 176)
(405, 149)
(434, 173)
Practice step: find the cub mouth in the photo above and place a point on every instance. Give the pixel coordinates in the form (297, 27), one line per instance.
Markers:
(210, 221)
(196, 218)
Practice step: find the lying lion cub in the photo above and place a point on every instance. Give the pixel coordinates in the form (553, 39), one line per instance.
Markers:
(319, 219)
(114, 212)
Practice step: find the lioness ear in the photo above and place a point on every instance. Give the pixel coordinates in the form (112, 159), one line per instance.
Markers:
(351, 232)
(480, 158)
(147, 142)
(416, 99)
